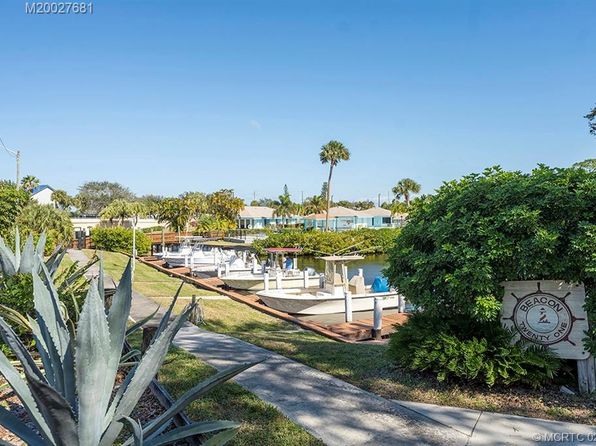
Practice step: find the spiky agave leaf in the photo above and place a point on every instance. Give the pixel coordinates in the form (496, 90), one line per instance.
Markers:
(27, 257)
(155, 426)
(92, 375)
(203, 427)
(143, 374)
(57, 338)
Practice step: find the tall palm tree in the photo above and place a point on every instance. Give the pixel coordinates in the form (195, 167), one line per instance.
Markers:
(404, 188)
(332, 153)
(29, 183)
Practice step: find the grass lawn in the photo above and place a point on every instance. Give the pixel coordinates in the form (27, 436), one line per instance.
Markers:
(366, 366)
(147, 281)
(261, 423)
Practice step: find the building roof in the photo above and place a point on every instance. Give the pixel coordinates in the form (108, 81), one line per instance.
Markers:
(38, 189)
(256, 212)
(376, 212)
(340, 211)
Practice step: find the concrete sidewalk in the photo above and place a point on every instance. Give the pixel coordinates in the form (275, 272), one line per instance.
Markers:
(341, 414)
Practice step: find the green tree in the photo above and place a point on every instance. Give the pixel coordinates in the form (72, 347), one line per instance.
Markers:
(29, 182)
(284, 207)
(474, 233)
(314, 205)
(223, 205)
(405, 188)
(62, 199)
(152, 202)
(332, 153)
(591, 117)
(589, 165)
(12, 202)
(38, 218)
(93, 196)
(122, 209)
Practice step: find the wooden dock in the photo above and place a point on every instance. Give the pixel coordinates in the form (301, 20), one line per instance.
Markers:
(359, 330)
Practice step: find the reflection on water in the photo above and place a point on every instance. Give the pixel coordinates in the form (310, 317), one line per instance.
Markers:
(372, 266)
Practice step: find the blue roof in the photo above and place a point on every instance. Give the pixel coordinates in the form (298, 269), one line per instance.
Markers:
(40, 188)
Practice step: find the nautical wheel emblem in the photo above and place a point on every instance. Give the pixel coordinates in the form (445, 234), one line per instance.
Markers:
(543, 318)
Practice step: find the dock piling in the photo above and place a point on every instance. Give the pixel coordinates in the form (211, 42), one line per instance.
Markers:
(266, 281)
(378, 318)
(305, 277)
(348, 302)
(278, 282)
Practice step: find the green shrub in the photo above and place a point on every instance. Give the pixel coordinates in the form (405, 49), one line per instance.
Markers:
(119, 239)
(427, 344)
(12, 201)
(474, 233)
(368, 241)
(38, 218)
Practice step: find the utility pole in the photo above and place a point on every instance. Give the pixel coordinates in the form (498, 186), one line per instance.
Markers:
(17, 155)
(302, 192)
(379, 200)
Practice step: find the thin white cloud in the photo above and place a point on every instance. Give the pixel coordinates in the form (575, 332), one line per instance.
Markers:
(255, 124)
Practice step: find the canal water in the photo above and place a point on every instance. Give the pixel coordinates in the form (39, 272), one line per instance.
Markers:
(372, 266)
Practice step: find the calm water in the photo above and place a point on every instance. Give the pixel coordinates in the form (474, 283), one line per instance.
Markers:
(372, 266)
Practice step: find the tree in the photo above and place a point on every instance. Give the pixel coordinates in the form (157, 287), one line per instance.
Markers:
(268, 202)
(29, 182)
(62, 199)
(12, 202)
(314, 205)
(591, 117)
(404, 188)
(332, 153)
(93, 196)
(284, 207)
(37, 218)
(223, 205)
(474, 233)
(152, 203)
(589, 164)
(122, 209)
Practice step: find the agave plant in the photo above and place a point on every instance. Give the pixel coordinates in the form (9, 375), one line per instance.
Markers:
(70, 398)
(69, 282)
(12, 263)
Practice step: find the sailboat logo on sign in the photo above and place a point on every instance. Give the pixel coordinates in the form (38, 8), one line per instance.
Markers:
(543, 317)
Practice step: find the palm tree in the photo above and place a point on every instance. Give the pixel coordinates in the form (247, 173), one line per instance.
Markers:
(404, 188)
(62, 199)
(284, 207)
(333, 152)
(314, 204)
(29, 183)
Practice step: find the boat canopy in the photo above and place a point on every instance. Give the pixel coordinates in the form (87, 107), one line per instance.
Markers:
(282, 250)
(346, 258)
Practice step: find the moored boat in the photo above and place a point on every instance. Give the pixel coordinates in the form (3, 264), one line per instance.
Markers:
(331, 297)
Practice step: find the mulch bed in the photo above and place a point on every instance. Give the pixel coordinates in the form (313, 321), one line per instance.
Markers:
(147, 408)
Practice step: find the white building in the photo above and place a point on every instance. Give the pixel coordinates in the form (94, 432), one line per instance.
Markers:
(43, 194)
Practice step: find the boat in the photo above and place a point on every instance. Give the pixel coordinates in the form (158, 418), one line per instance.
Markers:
(194, 255)
(330, 298)
(275, 273)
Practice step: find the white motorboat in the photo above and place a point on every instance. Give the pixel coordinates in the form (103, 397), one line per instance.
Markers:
(331, 298)
(285, 276)
(196, 255)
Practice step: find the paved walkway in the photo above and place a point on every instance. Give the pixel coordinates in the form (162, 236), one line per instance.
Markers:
(341, 414)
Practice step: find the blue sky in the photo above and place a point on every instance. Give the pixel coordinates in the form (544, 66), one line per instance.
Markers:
(166, 97)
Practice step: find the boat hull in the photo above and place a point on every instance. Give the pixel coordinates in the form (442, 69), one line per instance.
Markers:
(258, 283)
(312, 305)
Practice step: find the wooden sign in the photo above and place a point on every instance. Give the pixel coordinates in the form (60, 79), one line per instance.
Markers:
(549, 313)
